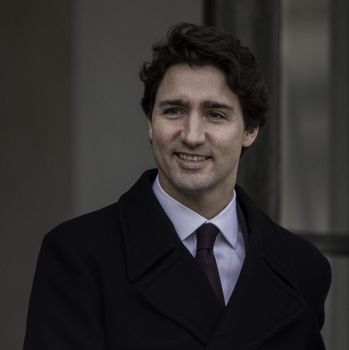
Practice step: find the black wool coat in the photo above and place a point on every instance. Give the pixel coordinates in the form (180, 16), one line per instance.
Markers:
(120, 279)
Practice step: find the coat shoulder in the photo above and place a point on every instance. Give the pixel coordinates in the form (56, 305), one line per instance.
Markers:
(311, 267)
(301, 249)
(282, 243)
(295, 255)
(88, 230)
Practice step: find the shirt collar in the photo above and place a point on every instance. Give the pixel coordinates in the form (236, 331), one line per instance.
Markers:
(186, 220)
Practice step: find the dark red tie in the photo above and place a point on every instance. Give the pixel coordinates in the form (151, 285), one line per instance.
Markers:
(206, 235)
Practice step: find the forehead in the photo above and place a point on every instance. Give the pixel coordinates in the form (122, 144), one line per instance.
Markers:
(195, 84)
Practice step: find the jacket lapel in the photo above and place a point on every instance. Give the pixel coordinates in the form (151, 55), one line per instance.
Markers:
(162, 269)
(266, 298)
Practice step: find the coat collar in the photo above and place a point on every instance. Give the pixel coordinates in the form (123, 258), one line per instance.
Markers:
(148, 233)
(164, 271)
(265, 299)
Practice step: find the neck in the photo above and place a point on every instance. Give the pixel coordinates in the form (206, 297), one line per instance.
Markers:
(207, 206)
(207, 203)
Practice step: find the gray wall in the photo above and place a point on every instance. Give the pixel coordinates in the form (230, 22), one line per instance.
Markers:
(72, 134)
(111, 145)
(315, 146)
(36, 145)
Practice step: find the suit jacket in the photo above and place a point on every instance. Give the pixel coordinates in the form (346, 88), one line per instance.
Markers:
(120, 278)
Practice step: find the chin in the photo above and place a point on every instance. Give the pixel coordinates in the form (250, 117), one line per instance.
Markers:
(191, 187)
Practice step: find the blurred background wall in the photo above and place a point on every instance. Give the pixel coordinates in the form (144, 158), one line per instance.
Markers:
(73, 136)
(314, 141)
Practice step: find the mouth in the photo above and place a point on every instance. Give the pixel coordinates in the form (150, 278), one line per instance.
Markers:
(196, 158)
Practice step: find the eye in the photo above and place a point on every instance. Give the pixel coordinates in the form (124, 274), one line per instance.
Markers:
(173, 112)
(215, 116)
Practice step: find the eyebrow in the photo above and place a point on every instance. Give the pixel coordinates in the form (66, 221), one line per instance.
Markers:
(217, 105)
(175, 102)
(206, 104)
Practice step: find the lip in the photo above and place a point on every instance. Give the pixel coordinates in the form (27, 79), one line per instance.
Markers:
(187, 164)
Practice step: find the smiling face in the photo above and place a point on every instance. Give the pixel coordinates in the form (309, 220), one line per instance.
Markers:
(197, 133)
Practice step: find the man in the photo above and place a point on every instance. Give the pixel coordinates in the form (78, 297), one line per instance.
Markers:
(184, 260)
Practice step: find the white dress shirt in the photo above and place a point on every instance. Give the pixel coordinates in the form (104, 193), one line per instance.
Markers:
(229, 248)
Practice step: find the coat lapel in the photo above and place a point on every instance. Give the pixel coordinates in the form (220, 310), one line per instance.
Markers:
(262, 304)
(162, 269)
(266, 298)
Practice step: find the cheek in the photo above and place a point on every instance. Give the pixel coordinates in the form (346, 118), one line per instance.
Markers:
(150, 133)
(157, 137)
(229, 148)
(159, 140)
(164, 134)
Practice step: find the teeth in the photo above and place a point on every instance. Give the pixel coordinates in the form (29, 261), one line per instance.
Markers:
(191, 157)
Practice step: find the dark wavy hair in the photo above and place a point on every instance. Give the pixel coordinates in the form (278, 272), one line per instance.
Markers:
(199, 46)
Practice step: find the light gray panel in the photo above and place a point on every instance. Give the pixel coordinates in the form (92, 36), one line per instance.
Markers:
(113, 38)
(315, 143)
(335, 330)
(305, 119)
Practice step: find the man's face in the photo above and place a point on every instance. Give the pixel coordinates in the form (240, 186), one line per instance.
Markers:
(197, 132)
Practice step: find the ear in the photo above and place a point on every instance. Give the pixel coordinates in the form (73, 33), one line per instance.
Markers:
(250, 136)
(150, 131)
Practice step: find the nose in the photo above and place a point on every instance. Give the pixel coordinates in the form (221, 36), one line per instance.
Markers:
(193, 133)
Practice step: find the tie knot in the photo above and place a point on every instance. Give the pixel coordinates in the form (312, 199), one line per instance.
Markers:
(206, 235)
